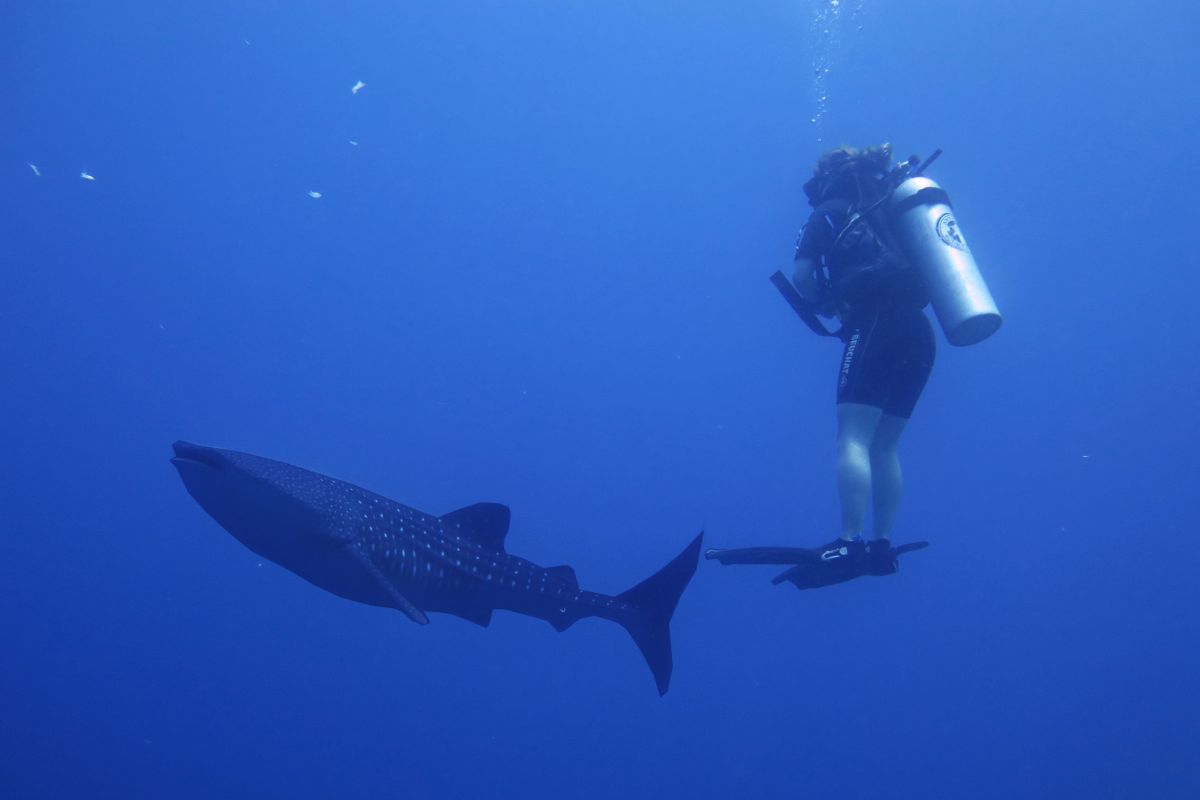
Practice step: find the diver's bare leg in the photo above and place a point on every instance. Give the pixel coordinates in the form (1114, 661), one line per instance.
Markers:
(857, 424)
(887, 480)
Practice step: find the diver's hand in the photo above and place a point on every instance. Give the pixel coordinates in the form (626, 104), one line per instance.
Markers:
(804, 278)
(829, 309)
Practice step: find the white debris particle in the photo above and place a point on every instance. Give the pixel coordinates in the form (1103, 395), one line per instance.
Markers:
(357, 87)
(33, 167)
(315, 195)
(354, 142)
(87, 176)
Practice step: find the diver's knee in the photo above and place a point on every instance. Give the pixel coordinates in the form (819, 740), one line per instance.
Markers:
(853, 448)
(855, 456)
(888, 433)
(884, 451)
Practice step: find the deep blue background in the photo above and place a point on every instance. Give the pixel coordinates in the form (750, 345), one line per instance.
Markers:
(541, 279)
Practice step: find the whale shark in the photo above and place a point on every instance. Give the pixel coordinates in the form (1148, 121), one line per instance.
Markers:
(365, 547)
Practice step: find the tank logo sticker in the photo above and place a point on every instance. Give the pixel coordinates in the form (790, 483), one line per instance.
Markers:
(848, 360)
(948, 232)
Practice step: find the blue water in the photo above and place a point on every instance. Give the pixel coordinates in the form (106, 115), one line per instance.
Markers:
(540, 278)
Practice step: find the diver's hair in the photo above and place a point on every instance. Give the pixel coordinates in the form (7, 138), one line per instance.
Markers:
(877, 158)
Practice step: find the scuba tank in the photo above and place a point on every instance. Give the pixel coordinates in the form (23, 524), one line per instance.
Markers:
(915, 212)
(924, 225)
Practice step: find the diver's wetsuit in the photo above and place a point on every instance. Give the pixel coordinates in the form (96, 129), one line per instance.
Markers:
(889, 343)
(887, 360)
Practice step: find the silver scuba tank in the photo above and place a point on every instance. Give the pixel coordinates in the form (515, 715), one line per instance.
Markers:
(924, 224)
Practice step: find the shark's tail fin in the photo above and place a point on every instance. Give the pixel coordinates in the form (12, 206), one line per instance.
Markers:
(654, 601)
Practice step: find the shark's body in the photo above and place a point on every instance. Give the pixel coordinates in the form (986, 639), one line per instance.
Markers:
(365, 547)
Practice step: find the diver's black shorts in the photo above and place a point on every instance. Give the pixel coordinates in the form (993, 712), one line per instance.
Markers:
(887, 360)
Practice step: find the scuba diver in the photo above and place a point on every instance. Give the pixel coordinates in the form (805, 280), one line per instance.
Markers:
(846, 266)
(879, 245)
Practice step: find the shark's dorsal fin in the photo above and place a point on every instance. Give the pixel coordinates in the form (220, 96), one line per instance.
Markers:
(400, 601)
(485, 524)
(564, 574)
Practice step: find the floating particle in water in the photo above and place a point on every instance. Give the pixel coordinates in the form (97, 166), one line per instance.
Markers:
(315, 195)
(87, 176)
(357, 87)
(354, 142)
(33, 167)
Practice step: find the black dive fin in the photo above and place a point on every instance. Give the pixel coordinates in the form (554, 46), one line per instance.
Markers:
(816, 576)
(400, 601)
(820, 574)
(763, 555)
(654, 601)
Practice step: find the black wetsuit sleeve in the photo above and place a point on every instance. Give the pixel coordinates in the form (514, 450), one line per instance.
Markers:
(808, 243)
(816, 240)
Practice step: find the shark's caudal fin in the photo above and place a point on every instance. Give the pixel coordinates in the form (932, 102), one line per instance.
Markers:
(654, 600)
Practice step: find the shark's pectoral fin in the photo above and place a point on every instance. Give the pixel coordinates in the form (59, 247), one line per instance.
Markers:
(400, 601)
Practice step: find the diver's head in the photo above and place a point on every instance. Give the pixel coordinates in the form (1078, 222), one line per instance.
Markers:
(840, 173)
